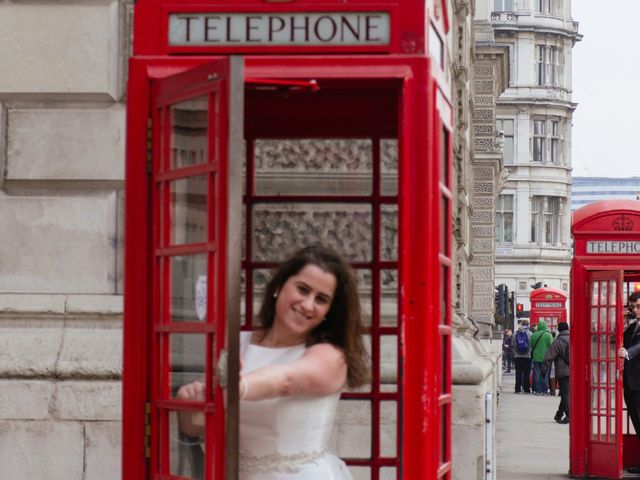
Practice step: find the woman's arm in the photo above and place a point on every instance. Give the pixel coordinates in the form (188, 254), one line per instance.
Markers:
(322, 371)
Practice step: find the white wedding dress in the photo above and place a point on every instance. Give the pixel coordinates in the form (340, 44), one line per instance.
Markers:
(286, 438)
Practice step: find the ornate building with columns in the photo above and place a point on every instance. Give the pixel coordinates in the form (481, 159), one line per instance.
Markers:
(533, 213)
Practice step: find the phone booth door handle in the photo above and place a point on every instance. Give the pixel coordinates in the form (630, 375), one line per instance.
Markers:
(221, 369)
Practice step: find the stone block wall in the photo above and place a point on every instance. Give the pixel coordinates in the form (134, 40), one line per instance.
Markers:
(62, 141)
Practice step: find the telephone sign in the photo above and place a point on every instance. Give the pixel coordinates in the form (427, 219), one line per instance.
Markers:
(283, 29)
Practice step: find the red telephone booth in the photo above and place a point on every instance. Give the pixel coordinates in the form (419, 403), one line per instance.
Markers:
(550, 305)
(258, 126)
(605, 268)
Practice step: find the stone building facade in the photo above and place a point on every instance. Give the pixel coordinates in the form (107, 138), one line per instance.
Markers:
(62, 131)
(533, 214)
(480, 75)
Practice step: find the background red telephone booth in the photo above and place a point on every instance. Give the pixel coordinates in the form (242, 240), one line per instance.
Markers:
(605, 268)
(550, 305)
(244, 143)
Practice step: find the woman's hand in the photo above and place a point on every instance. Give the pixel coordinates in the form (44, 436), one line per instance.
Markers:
(193, 391)
(622, 353)
(191, 423)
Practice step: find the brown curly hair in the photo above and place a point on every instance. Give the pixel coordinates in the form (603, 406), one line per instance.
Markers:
(343, 324)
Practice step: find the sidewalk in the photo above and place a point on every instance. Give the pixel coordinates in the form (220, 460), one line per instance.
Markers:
(531, 445)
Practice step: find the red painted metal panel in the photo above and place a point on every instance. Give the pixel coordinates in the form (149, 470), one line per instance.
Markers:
(604, 444)
(541, 300)
(607, 221)
(424, 365)
(408, 19)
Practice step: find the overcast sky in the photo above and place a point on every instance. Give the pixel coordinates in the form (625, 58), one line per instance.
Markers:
(606, 86)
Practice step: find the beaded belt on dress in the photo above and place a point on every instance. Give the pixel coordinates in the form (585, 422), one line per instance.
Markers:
(277, 462)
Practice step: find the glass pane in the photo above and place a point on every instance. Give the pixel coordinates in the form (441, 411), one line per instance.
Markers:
(186, 449)
(366, 340)
(389, 298)
(594, 293)
(388, 428)
(612, 292)
(612, 401)
(187, 357)
(389, 362)
(594, 428)
(612, 372)
(603, 346)
(612, 319)
(353, 419)
(612, 427)
(603, 320)
(594, 373)
(389, 166)
(444, 157)
(360, 473)
(594, 319)
(388, 473)
(189, 288)
(313, 166)
(281, 228)
(444, 225)
(260, 280)
(189, 210)
(189, 132)
(365, 293)
(389, 233)
(603, 293)
(603, 373)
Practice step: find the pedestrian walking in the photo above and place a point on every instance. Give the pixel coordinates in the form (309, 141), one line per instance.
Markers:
(558, 356)
(522, 357)
(631, 372)
(507, 350)
(540, 343)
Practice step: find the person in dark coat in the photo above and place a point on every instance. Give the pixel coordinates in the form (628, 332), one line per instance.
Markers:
(507, 350)
(631, 373)
(558, 353)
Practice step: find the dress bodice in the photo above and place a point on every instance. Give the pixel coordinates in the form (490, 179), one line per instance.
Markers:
(288, 431)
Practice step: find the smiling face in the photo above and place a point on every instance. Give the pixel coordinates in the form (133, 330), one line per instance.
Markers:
(303, 302)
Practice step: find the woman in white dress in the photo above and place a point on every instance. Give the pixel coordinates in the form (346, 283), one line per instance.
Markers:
(309, 348)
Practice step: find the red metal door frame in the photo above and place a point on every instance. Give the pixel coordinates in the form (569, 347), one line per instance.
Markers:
(423, 260)
(595, 229)
(604, 443)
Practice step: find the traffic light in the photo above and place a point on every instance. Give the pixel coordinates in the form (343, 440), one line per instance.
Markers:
(636, 287)
(502, 300)
(511, 300)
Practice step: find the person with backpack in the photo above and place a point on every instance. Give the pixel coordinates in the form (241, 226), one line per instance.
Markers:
(558, 353)
(522, 357)
(540, 343)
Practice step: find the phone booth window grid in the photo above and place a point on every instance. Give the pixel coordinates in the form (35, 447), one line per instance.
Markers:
(385, 155)
(340, 188)
(548, 304)
(605, 270)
